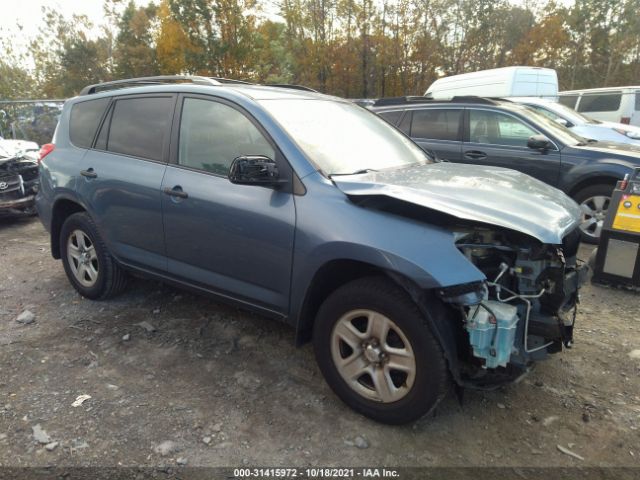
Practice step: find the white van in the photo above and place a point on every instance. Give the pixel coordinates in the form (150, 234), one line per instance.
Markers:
(610, 104)
(498, 82)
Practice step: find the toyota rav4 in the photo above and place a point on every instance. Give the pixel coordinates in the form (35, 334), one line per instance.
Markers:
(408, 275)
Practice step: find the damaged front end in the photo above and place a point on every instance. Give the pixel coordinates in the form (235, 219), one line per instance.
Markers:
(524, 311)
(19, 182)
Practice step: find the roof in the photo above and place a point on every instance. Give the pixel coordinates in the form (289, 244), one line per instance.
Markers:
(600, 90)
(395, 102)
(266, 91)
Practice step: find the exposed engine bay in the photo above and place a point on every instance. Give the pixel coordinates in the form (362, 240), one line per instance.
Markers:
(527, 307)
(19, 182)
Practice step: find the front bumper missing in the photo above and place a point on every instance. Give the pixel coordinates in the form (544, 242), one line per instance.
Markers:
(18, 206)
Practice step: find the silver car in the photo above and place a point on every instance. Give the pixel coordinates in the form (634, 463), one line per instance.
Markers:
(580, 124)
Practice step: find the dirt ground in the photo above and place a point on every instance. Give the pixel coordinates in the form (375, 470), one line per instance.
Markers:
(228, 388)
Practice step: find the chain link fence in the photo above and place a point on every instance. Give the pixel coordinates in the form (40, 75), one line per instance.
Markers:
(33, 120)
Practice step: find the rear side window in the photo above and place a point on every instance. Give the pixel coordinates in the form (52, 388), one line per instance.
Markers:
(391, 117)
(436, 124)
(568, 100)
(606, 102)
(637, 101)
(139, 127)
(85, 117)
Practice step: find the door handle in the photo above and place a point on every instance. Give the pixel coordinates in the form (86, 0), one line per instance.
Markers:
(89, 173)
(475, 155)
(175, 192)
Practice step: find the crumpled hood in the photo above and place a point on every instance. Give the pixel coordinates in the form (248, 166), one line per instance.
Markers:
(493, 195)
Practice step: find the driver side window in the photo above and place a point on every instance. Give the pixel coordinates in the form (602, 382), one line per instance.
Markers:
(212, 134)
(495, 128)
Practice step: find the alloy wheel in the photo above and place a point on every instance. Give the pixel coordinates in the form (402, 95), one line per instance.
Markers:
(373, 356)
(594, 211)
(83, 260)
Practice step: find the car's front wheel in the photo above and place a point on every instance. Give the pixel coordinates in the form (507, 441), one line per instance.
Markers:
(87, 262)
(377, 353)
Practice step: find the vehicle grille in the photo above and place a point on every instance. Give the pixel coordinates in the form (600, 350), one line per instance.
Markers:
(11, 186)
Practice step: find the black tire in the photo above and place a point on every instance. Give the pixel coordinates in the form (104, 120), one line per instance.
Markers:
(111, 279)
(381, 295)
(598, 190)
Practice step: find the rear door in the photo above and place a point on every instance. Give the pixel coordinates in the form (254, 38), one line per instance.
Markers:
(236, 240)
(120, 177)
(500, 139)
(437, 130)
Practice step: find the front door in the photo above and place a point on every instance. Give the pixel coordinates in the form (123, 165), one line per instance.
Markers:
(500, 139)
(236, 240)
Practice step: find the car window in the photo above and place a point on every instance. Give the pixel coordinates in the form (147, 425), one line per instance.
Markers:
(545, 112)
(405, 124)
(637, 101)
(212, 134)
(498, 129)
(85, 117)
(340, 138)
(568, 100)
(436, 124)
(391, 117)
(606, 102)
(139, 127)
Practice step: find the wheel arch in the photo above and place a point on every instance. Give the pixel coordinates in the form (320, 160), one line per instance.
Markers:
(438, 316)
(591, 181)
(62, 209)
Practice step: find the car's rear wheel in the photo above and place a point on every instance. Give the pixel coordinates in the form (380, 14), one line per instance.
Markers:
(87, 262)
(594, 202)
(377, 353)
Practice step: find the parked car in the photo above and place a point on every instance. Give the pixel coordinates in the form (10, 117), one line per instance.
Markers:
(498, 82)
(494, 132)
(611, 104)
(405, 273)
(580, 124)
(18, 177)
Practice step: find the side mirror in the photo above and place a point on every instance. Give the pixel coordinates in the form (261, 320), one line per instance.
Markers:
(255, 170)
(539, 142)
(562, 122)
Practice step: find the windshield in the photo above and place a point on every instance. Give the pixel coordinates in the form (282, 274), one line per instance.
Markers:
(342, 138)
(560, 131)
(568, 113)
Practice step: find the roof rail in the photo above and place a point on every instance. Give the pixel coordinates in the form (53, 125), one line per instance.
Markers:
(230, 80)
(401, 100)
(293, 87)
(159, 79)
(416, 99)
(474, 99)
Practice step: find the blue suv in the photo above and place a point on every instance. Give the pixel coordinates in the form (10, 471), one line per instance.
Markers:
(408, 275)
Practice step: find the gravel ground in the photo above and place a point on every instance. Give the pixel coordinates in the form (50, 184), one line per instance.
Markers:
(174, 378)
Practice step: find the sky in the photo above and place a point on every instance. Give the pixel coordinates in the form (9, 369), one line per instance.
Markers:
(28, 13)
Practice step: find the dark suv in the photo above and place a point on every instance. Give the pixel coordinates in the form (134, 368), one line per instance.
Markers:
(405, 273)
(498, 132)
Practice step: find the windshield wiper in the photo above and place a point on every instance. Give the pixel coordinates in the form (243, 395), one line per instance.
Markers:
(357, 172)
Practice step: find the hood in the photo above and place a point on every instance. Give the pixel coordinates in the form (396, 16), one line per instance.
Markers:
(18, 148)
(627, 129)
(623, 151)
(493, 195)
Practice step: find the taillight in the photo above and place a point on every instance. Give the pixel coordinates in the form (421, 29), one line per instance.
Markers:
(625, 120)
(45, 150)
